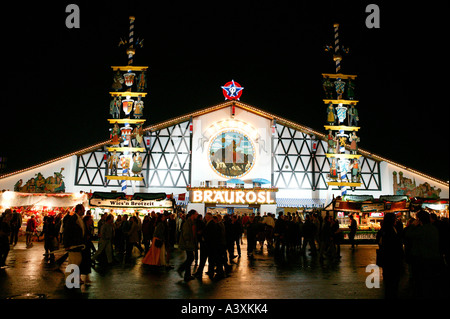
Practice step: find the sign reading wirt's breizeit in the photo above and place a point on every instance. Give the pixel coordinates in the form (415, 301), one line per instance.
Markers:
(121, 203)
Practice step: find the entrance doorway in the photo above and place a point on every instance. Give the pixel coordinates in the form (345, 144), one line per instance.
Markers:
(230, 209)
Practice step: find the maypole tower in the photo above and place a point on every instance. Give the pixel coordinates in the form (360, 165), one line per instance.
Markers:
(342, 123)
(126, 112)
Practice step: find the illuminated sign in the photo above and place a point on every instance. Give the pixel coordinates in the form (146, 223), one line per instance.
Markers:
(232, 196)
(232, 90)
(121, 203)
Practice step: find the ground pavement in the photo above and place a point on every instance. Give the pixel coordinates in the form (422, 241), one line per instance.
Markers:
(28, 275)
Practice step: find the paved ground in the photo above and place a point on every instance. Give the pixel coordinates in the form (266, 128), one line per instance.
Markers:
(28, 275)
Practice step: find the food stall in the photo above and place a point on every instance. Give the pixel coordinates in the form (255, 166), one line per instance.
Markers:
(368, 212)
(431, 205)
(40, 205)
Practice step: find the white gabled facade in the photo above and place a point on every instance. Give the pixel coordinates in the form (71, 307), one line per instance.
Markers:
(178, 156)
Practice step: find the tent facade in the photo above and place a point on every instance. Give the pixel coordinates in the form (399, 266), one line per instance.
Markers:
(186, 151)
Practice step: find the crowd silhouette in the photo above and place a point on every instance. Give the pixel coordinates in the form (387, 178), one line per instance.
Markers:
(421, 248)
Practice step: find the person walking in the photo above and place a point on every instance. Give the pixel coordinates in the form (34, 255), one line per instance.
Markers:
(125, 228)
(85, 264)
(156, 255)
(16, 224)
(426, 261)
(50, 235)
(208, 246)
(252, 231)
(139, 223)
(100, 224)
(309, 234)
(119, 237)
(230, 238)
(336, 235)
(391, 247)
(89, 225)
(200, 226)
(30, 231)
(146, 238)
(221, 259)
(5, 231)
(237, 230)
(351, 235)
(133, 239)
(325, 238)
(105, 242)
(73, 235)
(188, 242)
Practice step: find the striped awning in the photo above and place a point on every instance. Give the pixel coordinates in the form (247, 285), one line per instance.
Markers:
(182, 202)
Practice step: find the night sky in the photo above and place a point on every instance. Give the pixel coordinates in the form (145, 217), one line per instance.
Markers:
(56, 80)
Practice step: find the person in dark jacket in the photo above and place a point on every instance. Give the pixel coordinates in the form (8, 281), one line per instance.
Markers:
(252, 231)
(208, 246)
(5, 231)
(221, 251)
(146, 238)
(16, 224)
(188, 243)
(279, 232)
(237, 230)
(391, 246)
(309, 233)
(50, 235)
(73, 235)
(325, 238)
(425, 257)
(351, 235)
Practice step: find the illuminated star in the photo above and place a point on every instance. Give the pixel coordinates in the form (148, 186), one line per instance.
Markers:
(232, 91)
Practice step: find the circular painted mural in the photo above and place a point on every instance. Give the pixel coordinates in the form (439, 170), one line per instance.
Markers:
(231, 154)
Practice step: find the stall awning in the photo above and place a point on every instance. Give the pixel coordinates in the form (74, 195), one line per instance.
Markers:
(149, 196)
(17, 199)
(109, 195)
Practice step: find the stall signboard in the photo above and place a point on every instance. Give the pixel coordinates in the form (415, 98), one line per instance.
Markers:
(123, 203)
(376, 215)
(347, 206)
(397, 206)
(261, 196)
(372, 207)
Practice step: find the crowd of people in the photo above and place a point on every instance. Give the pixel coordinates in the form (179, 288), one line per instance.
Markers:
(214, 241)
(156, 235)
(421, 247)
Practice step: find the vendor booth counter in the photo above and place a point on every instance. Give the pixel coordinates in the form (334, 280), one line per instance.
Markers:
(368, 213)
(40, 205)
(431, 205)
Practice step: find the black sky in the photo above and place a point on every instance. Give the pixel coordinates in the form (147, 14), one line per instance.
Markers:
(56, 80)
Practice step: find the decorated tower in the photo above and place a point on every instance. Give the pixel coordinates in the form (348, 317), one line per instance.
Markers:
(126, 112)
(342, 123)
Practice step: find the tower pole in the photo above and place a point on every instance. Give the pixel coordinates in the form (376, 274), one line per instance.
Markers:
(131, 51)
(337, 57)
